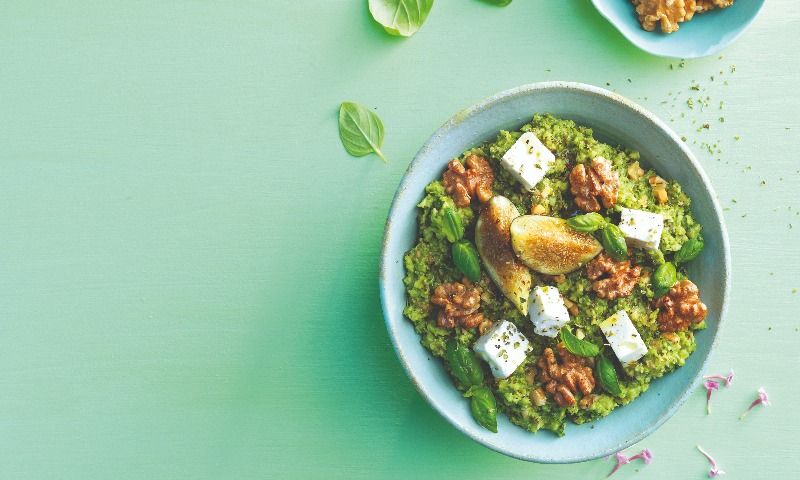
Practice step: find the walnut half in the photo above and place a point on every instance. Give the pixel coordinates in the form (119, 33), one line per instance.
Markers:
(612, 279)
(473, 178)
(680, 307)
(459, 304)
(666, 13)
(588, 183)
(563, 381)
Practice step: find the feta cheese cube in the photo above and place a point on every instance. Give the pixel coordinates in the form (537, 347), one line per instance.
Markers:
(503, 347)
(528, 160)
(641, 229)
(548, 311)
(625, 340)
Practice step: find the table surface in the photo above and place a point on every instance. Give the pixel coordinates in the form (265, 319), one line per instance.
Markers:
(189, 257)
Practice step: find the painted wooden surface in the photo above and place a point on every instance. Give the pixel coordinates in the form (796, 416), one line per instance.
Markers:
(189, 257)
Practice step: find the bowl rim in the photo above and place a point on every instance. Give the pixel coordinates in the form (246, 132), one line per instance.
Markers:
(710, 50)
(454, 121)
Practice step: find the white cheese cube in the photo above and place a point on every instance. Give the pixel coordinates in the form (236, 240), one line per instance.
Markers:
(547, 310)
(641, 229)
(625, 340)
(503, 347)
(528, 160)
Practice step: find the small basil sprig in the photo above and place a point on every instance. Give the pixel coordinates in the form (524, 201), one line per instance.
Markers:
(451, 225)
(463, 364)
(361, 130)
(614, 242)
(483, 407)
(582, 348)
(587, 223)
(664, 278)
(466, 259)
(607, 376)
(400, 17)
(689, 250)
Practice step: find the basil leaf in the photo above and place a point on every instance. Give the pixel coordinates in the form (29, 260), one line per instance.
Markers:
(451, 225)
(586, 223)
(689, 250)
(614, 242)
(360, 129)
(607, 376)
(400, 17)
(499, 3)
(483, 407)
(575, 345)
(463, 364)
(466, 259)
(664, 278)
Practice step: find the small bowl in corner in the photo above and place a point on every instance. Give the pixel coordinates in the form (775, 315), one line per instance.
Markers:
(705, 34)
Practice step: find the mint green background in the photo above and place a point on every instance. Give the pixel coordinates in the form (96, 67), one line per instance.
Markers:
(188, 257)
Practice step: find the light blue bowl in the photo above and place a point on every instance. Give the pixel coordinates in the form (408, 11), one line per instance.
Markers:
(615, 120)
(706, 34)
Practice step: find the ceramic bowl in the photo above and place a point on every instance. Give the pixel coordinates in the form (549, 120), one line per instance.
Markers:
(706, 34)
(615, 120)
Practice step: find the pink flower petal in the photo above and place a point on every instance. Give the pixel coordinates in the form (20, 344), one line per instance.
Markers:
(645, 455)
(761, 399)
(621, 459)
(715, 470)
(728, 379)
(710, 385)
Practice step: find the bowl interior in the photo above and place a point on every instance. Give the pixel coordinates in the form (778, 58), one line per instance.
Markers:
(705, 34)
(614, 120)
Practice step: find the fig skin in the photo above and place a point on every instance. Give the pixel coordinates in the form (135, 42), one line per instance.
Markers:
(493, 241)
(548, 245)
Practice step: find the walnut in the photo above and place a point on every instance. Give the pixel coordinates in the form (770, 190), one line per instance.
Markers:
(484, 326)
(659, 186)
(563, 381)
(587, 401)
(669, 13)
(666, 13)
(538, 397)
(463, 181)
(459, 304)
(586, 184)
(706, 5)
(680, 307)
(612, 279)
(572, 307)
(635, 171)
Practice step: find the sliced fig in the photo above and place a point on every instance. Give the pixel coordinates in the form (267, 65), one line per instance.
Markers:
(493, 240)
(548, 245)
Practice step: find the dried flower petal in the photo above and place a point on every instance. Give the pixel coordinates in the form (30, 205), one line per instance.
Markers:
(761, 399)
(645, 455)
(715, 470)
(710, 385)
(728, 379)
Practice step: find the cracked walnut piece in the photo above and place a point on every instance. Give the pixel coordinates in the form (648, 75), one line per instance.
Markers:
(706, 5)
(612, 279)
(666, 13)
(562, 381)
(669, 13)
(598, 180)
(459, 304)
(680, 307)
(463, 182)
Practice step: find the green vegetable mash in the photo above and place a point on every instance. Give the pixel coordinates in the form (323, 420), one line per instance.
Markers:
(430, 263)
